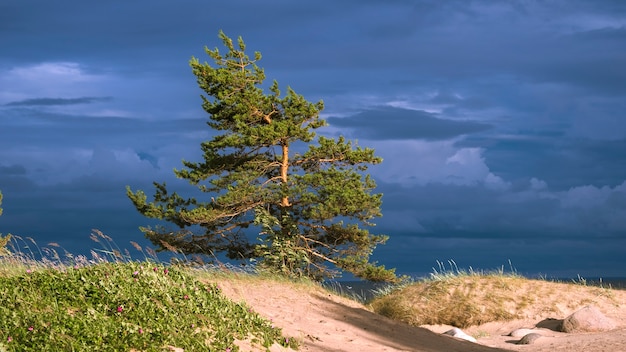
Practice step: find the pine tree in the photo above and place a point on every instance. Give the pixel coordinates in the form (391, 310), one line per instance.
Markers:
(308, 204)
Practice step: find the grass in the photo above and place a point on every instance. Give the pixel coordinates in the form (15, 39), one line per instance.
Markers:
(112, 303)
(463, 298)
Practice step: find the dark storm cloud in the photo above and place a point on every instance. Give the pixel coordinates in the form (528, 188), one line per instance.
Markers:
(12, 170)
(16, 183)
(394, 123)
(575, 59)
(57, 101)
(64, 215)
(58, 129)
(474, 39)
(117, 32)
(92, 28)
(506, 137)
(153, 160)
(459, 222)
(561, 162)
(79, 146)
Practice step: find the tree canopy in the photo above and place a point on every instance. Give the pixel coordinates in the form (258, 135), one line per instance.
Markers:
(268, 192)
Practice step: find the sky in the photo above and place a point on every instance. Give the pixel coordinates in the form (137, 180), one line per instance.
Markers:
(502, 124)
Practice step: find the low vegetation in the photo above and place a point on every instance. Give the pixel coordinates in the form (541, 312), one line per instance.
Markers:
(469, 298)
(111, 303)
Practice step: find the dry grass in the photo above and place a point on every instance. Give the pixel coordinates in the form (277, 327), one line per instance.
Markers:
(464, 299)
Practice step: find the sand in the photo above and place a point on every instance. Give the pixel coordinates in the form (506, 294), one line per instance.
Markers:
(328, 322)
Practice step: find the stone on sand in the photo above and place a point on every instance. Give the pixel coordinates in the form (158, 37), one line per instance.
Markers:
(458, 333)
(522, 332)
(587, 319)
(529, 339)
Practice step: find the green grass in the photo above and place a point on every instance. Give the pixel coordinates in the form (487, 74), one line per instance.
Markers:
(117, 304)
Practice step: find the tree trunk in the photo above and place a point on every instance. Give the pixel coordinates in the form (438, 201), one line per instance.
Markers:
(284, 167)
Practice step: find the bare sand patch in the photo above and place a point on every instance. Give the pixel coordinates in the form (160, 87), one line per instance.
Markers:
(323, 321)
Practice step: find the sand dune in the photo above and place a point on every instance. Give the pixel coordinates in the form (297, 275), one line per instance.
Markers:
(331, 323)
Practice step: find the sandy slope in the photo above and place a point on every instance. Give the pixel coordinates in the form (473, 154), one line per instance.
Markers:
(325, 322)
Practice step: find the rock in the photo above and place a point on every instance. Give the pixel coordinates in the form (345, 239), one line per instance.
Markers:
(522, 332)
(587, 319)
(458, 333)
(529, 338)
(551, 324)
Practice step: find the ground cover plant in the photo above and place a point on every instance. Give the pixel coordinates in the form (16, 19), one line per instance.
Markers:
(120, 305)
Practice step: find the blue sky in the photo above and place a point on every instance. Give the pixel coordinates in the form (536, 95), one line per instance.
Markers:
(502, 124)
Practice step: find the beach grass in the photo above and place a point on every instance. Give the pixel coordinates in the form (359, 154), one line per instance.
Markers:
(109, 302)
(463, 298)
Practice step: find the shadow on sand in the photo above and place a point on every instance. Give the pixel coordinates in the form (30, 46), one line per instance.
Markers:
(398, 335)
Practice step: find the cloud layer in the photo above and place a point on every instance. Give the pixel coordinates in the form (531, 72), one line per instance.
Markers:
(501, 124)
